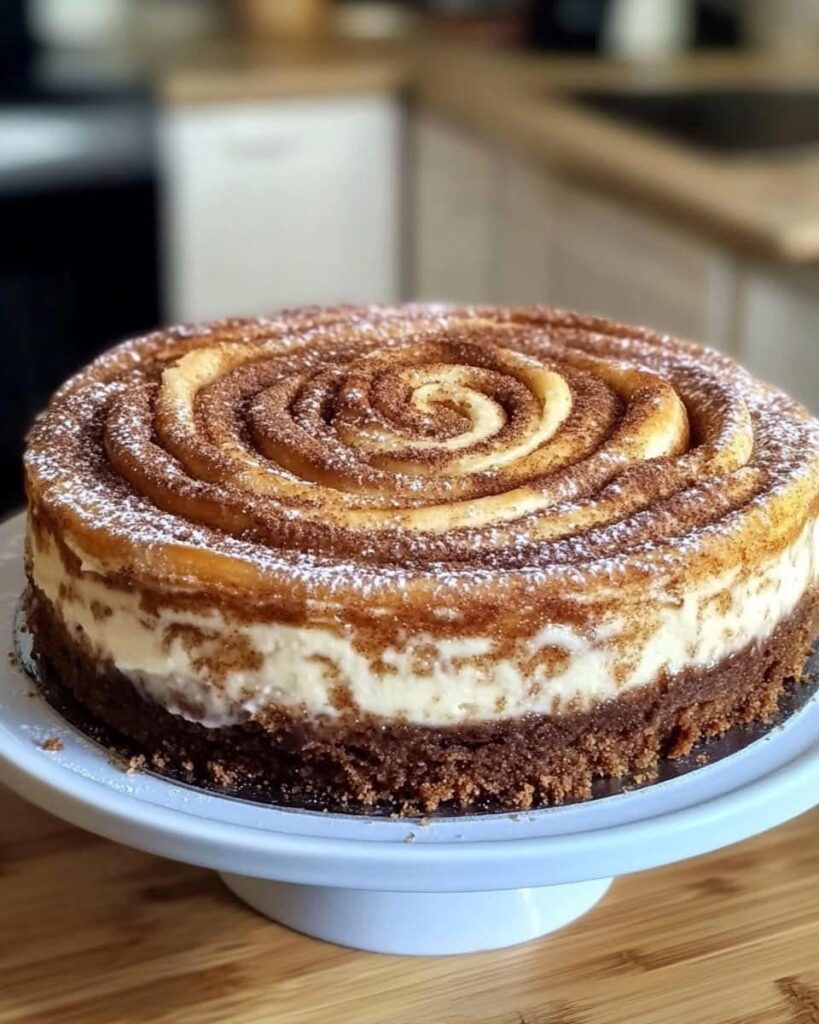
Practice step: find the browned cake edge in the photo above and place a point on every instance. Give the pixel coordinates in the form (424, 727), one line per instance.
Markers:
(357, 762)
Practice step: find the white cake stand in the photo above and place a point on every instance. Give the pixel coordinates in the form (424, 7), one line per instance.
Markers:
(453, 885)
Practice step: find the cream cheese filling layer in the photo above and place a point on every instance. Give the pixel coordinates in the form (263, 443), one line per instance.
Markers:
(302, 667)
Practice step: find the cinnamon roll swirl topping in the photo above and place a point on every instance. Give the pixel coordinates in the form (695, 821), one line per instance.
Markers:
(476, 440)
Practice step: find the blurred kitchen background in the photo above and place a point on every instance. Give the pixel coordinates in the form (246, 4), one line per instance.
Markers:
(656, 161)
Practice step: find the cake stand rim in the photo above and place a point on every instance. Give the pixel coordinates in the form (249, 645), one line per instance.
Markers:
(448, 867)
(508, 861)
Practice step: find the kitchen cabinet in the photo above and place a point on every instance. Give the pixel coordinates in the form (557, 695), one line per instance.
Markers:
(525, 236)
(492, 228)
(281, 203)
(778, 329)
(618, 261)
(482, 221)
(455, 210)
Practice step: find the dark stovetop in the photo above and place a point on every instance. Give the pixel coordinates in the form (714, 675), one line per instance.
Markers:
(53, 78)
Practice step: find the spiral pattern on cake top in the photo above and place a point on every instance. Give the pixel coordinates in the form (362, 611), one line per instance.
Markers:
(421, 441)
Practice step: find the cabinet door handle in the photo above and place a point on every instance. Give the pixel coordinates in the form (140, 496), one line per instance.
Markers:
(261, 147)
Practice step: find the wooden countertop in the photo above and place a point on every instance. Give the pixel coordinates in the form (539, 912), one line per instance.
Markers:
(766, 206)
(95, 933)
(233, 70)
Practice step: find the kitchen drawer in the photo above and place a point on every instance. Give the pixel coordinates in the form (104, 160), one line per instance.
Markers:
(281, 204)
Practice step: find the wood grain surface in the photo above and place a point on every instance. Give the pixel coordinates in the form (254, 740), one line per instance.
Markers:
(95, 933)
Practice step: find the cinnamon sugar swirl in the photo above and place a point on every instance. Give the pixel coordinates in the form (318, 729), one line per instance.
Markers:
(421, 557)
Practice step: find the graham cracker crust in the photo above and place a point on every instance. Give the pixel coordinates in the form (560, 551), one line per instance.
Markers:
(359, 763)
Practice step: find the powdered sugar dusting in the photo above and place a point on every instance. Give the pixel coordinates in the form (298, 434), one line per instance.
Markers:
(328, 461)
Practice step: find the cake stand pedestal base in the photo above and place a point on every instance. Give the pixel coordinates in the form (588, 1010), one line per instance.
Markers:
(420, 924)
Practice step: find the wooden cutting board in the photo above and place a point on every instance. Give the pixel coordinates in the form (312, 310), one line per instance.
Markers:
(95, 933)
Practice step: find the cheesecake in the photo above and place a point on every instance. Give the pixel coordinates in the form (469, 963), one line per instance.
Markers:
(420, 558)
